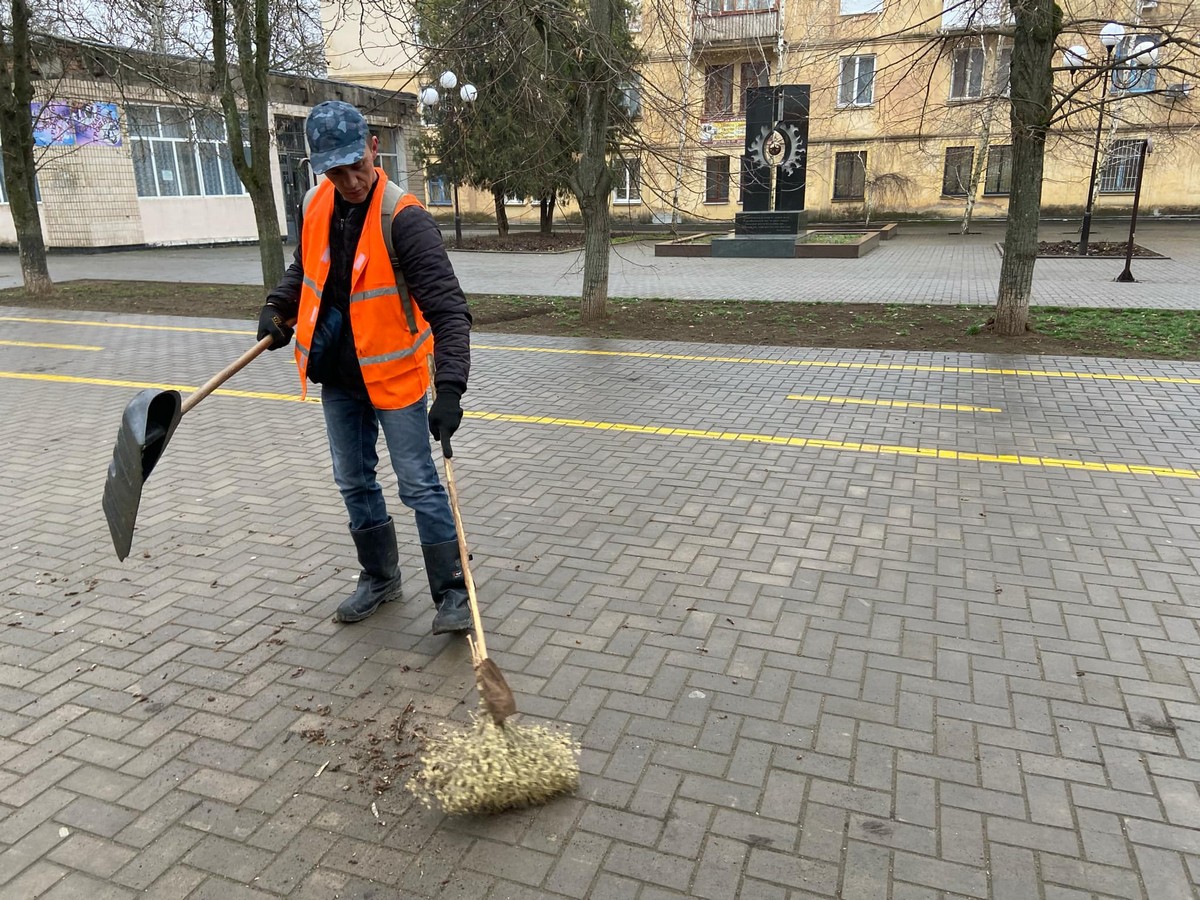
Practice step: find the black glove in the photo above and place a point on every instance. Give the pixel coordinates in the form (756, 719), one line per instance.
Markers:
(271, 322)
(445, 415)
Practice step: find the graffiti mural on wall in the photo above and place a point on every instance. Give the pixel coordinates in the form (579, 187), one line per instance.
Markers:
(67, 123)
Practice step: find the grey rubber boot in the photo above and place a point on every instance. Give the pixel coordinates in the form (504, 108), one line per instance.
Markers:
(379, 580)
(448, 587)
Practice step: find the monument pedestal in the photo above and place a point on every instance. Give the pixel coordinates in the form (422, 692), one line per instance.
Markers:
(766, 235)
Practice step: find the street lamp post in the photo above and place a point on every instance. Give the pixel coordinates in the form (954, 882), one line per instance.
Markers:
(1110, 36)
(1145, 54)
(1127, 275)
(430, 97)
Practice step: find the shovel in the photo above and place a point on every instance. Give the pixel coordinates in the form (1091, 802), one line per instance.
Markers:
(149, 421)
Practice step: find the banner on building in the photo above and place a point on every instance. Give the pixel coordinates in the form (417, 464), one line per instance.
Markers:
(75, 123)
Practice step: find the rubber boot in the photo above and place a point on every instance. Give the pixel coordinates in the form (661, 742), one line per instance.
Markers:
(379, 580)
(448, 587)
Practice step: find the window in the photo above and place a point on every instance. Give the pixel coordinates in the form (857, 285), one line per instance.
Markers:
(633, 15)
(631, 96)
(391, 151)
(718, 7)
(1119, 175)
(975, 14)
(856, 87)
(855, 7)
(718, 91)
(850, 175)
(754, 74)
(1004, 71)
(956, 176)
(1133, 78)
(716, 179)
(515, 200)
(998, 179)
(437, 189)
(627, 176)
(181, 153)
(966, 73)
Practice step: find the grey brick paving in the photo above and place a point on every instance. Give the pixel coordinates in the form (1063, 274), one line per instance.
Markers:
(798, 671)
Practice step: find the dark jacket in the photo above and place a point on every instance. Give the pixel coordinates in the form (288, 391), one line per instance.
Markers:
(431, 279)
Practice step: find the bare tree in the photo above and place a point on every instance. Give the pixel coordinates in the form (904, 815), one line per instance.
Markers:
(16, 142)
(247, 24)
(216, 54)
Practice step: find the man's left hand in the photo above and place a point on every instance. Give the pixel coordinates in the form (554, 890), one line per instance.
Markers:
(445, 415)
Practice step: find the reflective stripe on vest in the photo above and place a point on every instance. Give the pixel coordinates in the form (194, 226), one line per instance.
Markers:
(391, 337)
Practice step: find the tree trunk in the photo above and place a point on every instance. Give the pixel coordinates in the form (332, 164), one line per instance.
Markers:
(252, 34)
(592, 180)
(498, 192)
(546, 213)
(1037, 25)
(985, 141)
(596, 240)
(16, 144)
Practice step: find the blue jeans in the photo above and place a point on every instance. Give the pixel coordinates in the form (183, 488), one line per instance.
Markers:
(353, 429)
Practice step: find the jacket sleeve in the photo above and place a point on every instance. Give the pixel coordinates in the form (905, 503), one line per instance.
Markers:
(285, 296)
(422, 256)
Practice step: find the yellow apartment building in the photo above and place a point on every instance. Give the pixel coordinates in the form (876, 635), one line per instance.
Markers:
(908, 114)
(908, 111)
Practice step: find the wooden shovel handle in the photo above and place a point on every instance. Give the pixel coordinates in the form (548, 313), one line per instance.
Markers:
(228, 372)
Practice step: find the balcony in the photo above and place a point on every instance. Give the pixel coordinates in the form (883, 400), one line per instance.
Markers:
(733, 23)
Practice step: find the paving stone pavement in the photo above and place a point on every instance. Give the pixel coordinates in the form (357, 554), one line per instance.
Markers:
(939, 644)
(925, 263)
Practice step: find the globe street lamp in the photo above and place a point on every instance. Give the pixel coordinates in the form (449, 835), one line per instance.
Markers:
(1110, 36)
(429, 96)
(1145, 54)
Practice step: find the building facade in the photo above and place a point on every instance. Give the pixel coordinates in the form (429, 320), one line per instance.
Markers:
(143, 159)
(909, 111)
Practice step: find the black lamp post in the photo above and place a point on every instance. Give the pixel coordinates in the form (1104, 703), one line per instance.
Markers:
(1076, 57)
(1123, 77)
(430, 97)
(1127, 275)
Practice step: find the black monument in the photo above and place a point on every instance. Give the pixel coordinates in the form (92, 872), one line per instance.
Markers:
(776, 143)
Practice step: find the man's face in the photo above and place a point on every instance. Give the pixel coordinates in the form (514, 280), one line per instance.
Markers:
(354, 181)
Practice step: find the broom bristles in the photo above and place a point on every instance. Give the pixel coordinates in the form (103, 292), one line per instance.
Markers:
(491, 768)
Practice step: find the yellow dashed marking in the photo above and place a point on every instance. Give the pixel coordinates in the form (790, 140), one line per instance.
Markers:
(49, 346)
(1115, 468)
(142, 385)
(817, 398)
(833, 364)
(192, 329)
(743, 360)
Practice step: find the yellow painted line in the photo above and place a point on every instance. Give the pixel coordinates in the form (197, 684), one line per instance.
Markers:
(1043, 462)
(1115, 468)
(142, 385)
(191, 330)
(907, 404)
(744, 360)
(832, 364)
(49, 346)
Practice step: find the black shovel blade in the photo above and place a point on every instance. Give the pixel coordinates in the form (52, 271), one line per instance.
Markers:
(146, 427)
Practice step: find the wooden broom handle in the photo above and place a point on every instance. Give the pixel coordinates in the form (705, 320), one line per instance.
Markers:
(479, 645)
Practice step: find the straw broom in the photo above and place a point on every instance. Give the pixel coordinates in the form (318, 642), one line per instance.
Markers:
(495, 764)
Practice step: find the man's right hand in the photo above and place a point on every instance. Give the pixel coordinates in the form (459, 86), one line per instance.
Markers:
(271, 323)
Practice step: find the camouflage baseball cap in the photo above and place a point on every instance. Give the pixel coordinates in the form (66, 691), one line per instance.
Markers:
(337, 135)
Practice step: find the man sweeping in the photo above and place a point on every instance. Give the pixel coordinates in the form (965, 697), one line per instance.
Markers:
(367, 316)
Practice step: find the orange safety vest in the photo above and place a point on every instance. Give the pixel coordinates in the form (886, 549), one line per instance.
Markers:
(391, 337)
